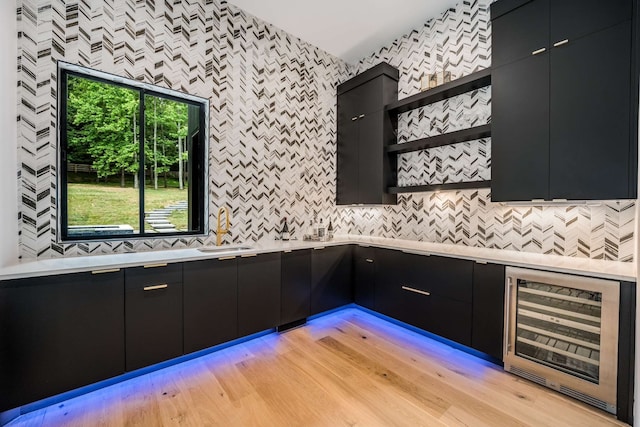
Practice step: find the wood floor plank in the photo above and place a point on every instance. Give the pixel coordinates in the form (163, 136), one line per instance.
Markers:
(347, 368)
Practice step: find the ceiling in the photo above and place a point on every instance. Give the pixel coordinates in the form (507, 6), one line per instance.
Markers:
(348, 29)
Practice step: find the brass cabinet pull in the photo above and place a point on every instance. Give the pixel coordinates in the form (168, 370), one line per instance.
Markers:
(561, 42)
(417, 291)
(155, 265)
(368, 260)
(248, 255)
(319, 248)
(108, 270)
(535, 52)
(224, 258)
(155, 287)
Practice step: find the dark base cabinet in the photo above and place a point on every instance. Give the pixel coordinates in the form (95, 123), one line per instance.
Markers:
(258, 293)
(59, 333)
(153, 310)
(488, 309)
(295, 298)
(330, 278)
(210, 291)
(364, 276)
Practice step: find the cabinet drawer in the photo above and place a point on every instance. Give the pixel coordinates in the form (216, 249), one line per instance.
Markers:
(152, 275)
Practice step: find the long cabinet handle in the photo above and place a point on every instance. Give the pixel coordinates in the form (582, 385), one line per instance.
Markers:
(155, 287)
(248, 255)
(155, 265)
(354, 118)
(536, 52)
(361, 116)
(561, 42)
(225, 258)
(368, 260)
(108, 270)
(417, 291)
(507, 316)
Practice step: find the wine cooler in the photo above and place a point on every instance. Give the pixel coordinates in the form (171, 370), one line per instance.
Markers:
(561, 331)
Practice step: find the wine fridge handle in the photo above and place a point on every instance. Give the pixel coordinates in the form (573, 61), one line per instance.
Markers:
(507, 316)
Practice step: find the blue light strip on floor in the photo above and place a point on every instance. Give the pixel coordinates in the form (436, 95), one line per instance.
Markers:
(387, 324)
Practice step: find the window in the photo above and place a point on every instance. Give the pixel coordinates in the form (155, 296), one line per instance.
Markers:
(132, 158)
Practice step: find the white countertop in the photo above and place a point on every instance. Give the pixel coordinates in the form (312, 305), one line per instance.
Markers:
(606, 269)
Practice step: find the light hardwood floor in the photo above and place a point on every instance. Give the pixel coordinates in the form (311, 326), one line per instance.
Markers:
(347, 368)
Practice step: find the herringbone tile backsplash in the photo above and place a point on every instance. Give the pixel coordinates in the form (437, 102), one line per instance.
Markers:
(273, 129)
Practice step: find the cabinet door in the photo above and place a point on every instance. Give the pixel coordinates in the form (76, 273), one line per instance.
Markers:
(258, 293)
(447, 277)
(517, 33)
(572, 19)
(488, 309)
(330, 278)
(59, 333)
(590, 111)
(295, 296)
(370, 152)
(449, 319)
(153, 309)
(210, 290)
(347, 166)
(364, 276)
(520, 130)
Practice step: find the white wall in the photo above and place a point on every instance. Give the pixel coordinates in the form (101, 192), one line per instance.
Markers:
(8, 134)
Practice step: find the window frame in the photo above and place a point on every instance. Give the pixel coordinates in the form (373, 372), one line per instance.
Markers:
(198, 183)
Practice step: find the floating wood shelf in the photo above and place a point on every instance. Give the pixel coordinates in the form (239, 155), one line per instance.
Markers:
(459, 86)
(450, 138)
(440, 187)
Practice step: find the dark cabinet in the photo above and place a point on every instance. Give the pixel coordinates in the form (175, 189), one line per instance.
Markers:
(364, 170)
(330, 278)
(210, 292)
(564, 121)
(258, 293)
(59, 333)
(295, 290)
(488, 309)
(153, 310)
(364, 276)
(429, 292)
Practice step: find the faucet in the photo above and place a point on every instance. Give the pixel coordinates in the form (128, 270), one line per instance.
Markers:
(220, 232)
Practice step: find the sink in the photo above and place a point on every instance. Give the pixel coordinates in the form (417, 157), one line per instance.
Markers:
(225, 249)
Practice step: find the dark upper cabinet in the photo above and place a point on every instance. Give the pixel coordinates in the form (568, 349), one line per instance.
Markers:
(210, 292)
(488, 309)
(59, 333)
(564, 121)
(589, 128)
(330, 278)
(258, 293)
(295, 298)
(153, 311)
(364, 170)
(364, 276)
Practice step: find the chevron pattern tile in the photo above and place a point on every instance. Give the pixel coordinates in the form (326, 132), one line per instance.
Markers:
(273, 127)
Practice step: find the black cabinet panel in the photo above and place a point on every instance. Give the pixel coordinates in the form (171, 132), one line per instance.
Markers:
(572, 19)
(153, 310)
(564, 121)
(450, 319)
(330, 278)
(348, 159)
(364, 276)
(295, 296)
(59, 333)
(516, 35)
(590, 110)
(520, 130)
(258, 293)
(488, 309)
(210, 290)
(364, 171)
(447, 277)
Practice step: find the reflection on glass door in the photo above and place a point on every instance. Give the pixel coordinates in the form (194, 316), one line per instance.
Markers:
(560, 327)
